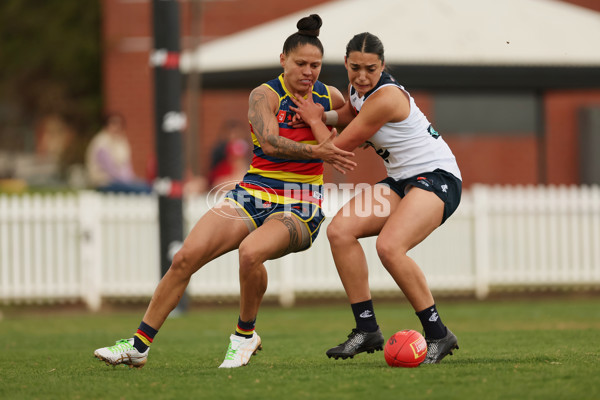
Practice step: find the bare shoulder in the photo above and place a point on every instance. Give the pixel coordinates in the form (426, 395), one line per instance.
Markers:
(263, 97)
(389, 102)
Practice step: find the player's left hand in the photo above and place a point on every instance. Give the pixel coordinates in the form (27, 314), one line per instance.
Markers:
(307, 110)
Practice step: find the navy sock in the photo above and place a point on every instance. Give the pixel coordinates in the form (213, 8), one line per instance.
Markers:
(245, 329)
(432, 323)
(144, 337)
(365, 316)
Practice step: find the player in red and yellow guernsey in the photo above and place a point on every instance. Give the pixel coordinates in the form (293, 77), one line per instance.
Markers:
(282, 184)
(274, 211)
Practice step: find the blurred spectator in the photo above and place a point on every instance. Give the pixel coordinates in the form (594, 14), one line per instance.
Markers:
(231, 157)
(108, 159)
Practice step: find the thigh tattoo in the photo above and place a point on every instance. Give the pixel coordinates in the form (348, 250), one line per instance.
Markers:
(291, 223)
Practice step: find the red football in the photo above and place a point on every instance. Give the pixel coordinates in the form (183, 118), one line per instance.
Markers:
(406, 348)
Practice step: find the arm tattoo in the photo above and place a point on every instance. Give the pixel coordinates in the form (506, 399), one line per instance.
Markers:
(259, 107)
(287, 148)
(258, 113)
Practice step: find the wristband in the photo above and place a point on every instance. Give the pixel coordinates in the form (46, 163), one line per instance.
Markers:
(331, 117)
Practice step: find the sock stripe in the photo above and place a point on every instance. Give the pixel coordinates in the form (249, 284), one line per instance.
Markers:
(147, 336)
(244, 331)
(142, 336)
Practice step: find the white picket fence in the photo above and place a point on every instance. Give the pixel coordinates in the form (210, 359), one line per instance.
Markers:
(90, 246)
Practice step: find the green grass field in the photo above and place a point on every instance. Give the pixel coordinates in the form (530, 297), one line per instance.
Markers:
(511, 349)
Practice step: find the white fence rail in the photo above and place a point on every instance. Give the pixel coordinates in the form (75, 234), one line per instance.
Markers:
(90, 246)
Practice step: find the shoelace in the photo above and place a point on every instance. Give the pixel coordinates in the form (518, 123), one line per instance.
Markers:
(121, 345)
(350, 336)
(230, 352)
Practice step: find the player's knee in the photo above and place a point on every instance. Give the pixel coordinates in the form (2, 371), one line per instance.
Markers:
(182, 263)
(337, 233)
(388, 250)
(249, 256)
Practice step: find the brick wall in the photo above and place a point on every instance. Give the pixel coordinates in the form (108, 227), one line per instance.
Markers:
(128, 88)
(562, 129)
(128, 81)
(591, 4)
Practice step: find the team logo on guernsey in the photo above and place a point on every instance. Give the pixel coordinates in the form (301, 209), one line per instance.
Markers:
(284, 116)
(433, 132)
(281, 116)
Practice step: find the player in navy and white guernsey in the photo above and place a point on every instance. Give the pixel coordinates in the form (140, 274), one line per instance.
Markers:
(410, 146)
(273, 212)
(422, 189)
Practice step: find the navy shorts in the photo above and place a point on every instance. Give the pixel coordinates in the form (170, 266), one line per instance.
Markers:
(256, 211)
(445, 185)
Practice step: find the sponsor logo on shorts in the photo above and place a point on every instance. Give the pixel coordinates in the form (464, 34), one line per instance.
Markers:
(423, 181)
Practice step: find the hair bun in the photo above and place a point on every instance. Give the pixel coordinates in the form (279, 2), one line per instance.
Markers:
(310, 26)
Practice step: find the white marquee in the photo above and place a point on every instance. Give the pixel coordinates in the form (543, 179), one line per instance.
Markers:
(425, 32)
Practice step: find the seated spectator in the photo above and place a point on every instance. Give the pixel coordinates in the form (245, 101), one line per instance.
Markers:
(108, 160)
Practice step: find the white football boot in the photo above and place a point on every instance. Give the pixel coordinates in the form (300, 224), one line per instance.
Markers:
(240, 350)
(122, 352)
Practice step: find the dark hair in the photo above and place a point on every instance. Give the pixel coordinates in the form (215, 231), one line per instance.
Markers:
(308, 32)
(107, 117)
(365, 43)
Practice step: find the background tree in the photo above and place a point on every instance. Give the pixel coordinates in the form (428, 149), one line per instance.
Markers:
(50, 64)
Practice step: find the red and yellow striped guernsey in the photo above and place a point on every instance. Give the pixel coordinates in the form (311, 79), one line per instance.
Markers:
(271, 178)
